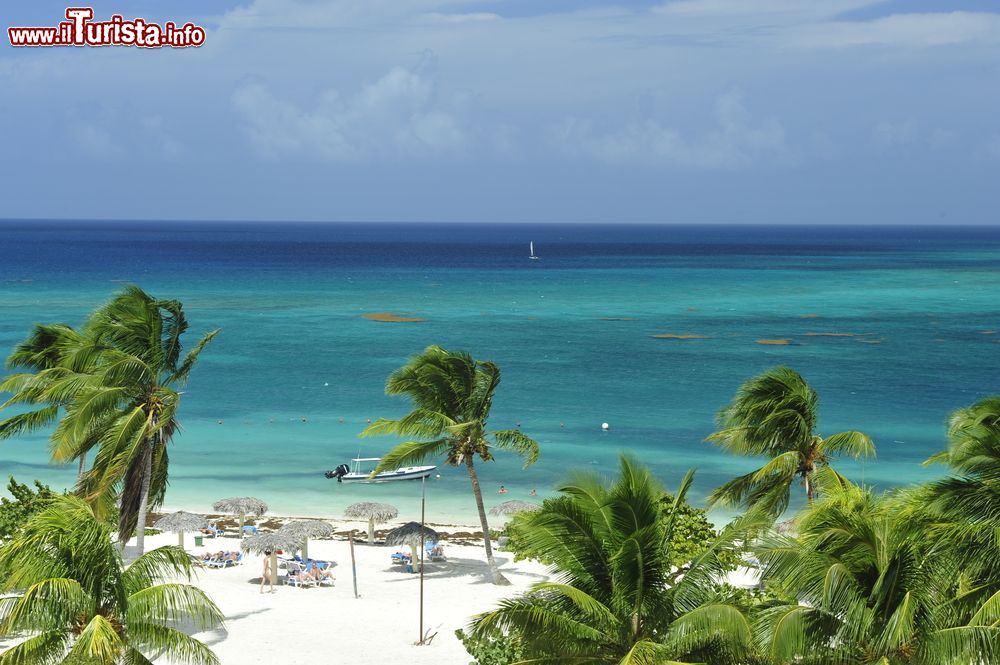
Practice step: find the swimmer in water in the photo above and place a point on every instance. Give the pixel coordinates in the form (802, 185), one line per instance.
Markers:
(532, 493)
(502, 490)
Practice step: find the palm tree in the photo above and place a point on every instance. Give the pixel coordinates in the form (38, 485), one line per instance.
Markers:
(873, 589)
(452, 394)
(79, 604)
(617, 599)
(114, 383)
(964, 508)
(52, 354)
(774, 415)
(131, 392)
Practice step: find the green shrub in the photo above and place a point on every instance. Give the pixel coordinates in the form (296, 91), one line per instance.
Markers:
(24, 502)
(692, 534)
(496, 649)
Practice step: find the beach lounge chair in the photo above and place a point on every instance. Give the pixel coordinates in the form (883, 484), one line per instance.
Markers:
(227, 561)
(249, 529)
(296, 575)
(327, 578)
(435, 552)
(403, 559)
(210, 531)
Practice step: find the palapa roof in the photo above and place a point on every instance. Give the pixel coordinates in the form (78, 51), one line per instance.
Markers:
(275, 540)
(308, 528)
(511, 507)
(180, 521)
(367, 510)
(241, 505)
(409, 534)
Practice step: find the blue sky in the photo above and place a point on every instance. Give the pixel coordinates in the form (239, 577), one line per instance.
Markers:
(823, 111)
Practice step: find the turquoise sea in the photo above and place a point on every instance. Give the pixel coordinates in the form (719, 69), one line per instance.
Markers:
(282, 393)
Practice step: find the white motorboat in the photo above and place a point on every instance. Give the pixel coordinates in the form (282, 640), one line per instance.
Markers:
(362, 467)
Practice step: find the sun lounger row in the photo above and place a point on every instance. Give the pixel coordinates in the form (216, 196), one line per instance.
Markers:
(310, 573)
(219, 559)
(433, 552)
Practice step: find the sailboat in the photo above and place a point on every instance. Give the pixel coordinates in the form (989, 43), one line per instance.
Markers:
(531, 246)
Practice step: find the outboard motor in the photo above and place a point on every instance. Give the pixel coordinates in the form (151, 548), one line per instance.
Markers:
(338, 473)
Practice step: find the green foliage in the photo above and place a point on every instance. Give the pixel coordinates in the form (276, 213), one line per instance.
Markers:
(691, 533)
(452, 395)
(495, 649)
(774, 416)
(617, 597)
(871, 587)
(79, 603)
(112, 387)
(24, 502)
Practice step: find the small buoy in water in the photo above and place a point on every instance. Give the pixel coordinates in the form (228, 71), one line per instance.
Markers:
(326, 384)
(438, 476)
(605, 426)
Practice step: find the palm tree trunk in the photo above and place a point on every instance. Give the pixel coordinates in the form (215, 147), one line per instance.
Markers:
(498, 578)
(147, 474)
(83, 465)
(810, 490)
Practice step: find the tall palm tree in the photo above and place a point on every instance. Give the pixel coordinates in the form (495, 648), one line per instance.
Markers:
(617, 598)
(452, 394)
(114, 384)
(78, 603)
(873, 589)
(774, 415)
(51, 354)
(132, 394)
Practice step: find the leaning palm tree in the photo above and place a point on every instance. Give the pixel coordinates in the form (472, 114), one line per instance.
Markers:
(54, 357)
(873, 589)
(452, 394)
(78, 603)
(774, 415)
(131, 392)
(617, 598)
(114, 384)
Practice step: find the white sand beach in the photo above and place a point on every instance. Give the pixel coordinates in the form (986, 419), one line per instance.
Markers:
(328, 624)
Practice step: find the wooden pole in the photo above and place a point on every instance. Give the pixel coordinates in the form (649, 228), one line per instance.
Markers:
(354, 566)
(423, 505)
(180, 539)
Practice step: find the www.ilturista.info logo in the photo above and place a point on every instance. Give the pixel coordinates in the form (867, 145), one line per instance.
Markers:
(81, 30)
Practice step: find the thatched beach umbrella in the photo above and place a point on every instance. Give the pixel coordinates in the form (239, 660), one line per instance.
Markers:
(307, 529)
(411, 534)
(262, 543)
(180, 522)
(242, 506)
(512, 507)
(375, 513)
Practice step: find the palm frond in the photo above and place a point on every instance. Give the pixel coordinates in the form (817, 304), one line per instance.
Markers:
(518, 442)
(855, 444)
(411, 452)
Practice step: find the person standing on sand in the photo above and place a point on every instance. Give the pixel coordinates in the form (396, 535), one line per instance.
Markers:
(267, 575)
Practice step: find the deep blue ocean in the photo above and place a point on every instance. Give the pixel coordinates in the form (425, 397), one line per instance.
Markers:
(297, 370)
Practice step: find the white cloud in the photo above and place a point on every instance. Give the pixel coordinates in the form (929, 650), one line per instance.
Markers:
(398, 115)
(904, 30)
(792, 8)
(95, 141)
(734, 141)
(888, 135)
(477, 17)
(993, 146)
